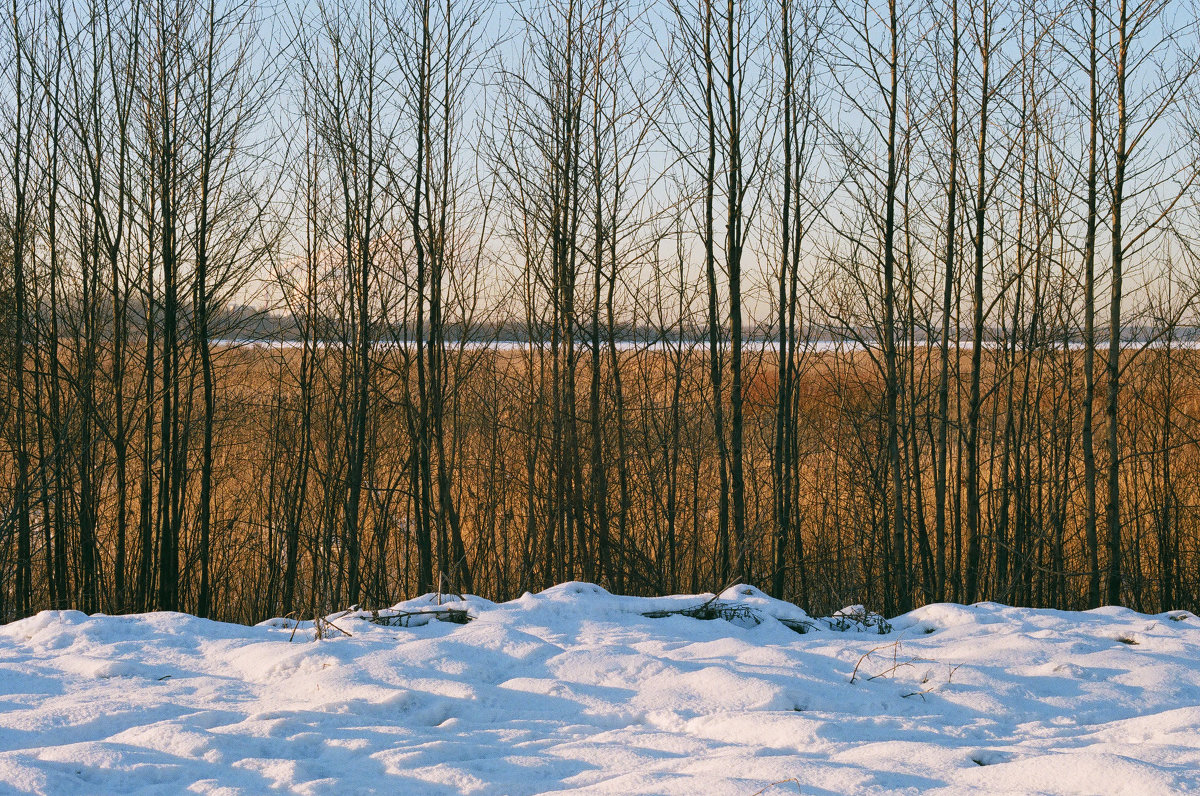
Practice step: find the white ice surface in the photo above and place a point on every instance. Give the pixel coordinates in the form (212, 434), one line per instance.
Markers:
(573, 690)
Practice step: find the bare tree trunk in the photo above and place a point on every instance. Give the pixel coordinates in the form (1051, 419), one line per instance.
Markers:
(167, 164)
(892, 377)
(977, 329)
(20, 176)
(734, 241)
(949, 286)
(1120, 160)
(1089, 324)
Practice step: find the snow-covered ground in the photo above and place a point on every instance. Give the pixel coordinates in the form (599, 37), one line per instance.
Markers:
(577, 690)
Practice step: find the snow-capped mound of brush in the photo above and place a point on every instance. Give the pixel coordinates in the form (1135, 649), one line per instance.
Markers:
(741, 605)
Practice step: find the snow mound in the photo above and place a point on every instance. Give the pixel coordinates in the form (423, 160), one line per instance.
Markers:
(575, 689)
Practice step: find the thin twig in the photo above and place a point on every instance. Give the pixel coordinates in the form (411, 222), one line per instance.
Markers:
(793, 780)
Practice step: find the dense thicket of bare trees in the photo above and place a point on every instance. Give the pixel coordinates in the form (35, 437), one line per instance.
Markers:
(861, 301)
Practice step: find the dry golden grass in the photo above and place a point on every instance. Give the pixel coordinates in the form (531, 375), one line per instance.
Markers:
(498, 426)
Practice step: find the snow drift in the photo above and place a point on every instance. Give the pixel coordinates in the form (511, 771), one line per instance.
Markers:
(578, 690)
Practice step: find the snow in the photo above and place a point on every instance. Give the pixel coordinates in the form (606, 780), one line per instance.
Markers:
(577, 690)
